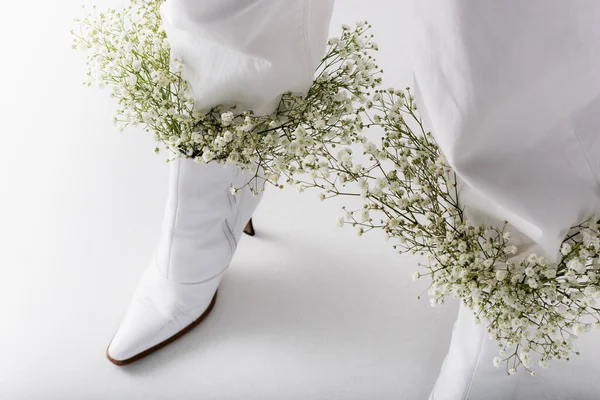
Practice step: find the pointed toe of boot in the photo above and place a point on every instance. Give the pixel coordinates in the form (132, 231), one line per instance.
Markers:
(142, 329)
(159, 313)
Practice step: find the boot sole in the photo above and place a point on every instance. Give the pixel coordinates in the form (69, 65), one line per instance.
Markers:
(165, 342)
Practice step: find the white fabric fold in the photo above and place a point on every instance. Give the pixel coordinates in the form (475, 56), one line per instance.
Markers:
(511, 91)
(247, 53)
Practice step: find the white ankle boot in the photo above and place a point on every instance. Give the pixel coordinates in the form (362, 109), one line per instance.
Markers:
(202, 225)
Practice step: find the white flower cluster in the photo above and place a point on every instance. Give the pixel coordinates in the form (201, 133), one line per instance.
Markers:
(130, 53)
(532, 307)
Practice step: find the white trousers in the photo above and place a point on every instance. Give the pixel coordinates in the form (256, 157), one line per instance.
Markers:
(510, 89)
(247, 52)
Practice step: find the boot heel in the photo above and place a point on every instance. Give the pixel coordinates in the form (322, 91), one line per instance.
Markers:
(249, 229)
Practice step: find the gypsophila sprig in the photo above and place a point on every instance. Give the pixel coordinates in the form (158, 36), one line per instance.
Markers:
(130, 53)
(533, 308)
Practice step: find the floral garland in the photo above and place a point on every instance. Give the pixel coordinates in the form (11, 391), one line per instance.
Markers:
(130, 53)
(408, 191)
(533, 308)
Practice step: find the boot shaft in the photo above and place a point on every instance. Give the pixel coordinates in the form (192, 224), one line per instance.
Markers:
(203, 220)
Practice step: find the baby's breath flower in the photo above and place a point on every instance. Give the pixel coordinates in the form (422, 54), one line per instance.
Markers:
(501, 274)
(227, 118)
